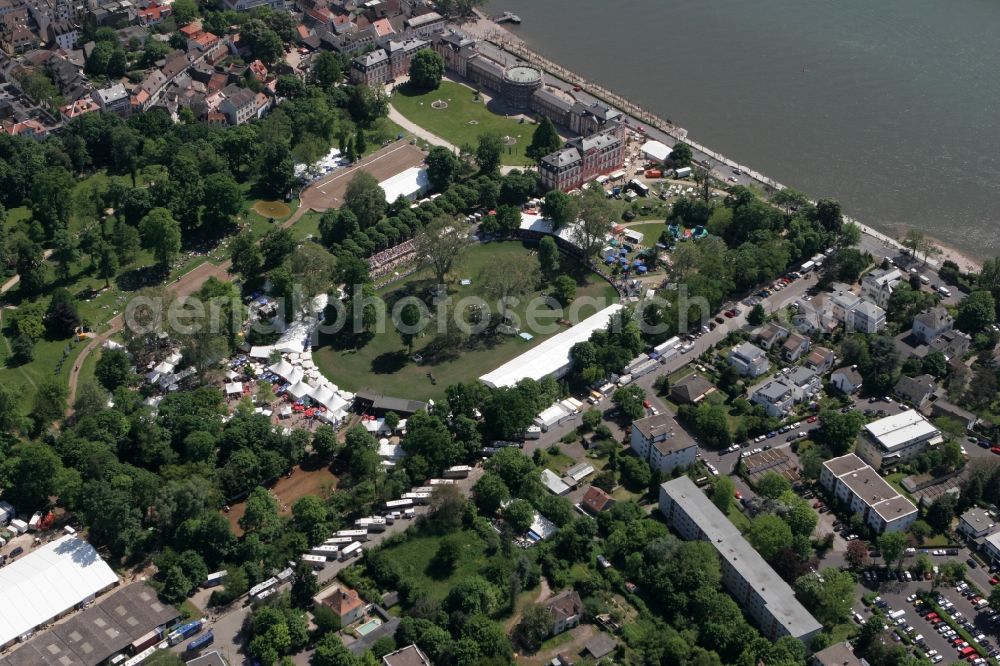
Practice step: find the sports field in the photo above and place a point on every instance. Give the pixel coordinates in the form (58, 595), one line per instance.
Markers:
(383, 364)
(463, 118)
(395, 158)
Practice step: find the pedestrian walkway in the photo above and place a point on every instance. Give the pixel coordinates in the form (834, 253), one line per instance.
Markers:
(418, 131)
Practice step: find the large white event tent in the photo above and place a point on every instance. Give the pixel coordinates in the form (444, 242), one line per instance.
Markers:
(47, 582)
(551, 358)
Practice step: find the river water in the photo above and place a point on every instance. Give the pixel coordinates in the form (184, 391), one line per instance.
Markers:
(890, 106)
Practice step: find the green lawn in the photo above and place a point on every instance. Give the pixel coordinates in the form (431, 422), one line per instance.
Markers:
(413, 559)
(307, 225)
(53, 358)
(737, 517)
(650, 230)
(465, 118)
(383, 364)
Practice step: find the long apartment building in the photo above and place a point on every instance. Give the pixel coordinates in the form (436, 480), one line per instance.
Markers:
(854, 482)
(751, 581)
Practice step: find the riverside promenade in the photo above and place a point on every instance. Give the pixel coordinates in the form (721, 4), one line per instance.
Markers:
(508, 47)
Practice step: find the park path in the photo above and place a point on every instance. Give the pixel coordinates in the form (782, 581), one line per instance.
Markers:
(12, 282)
(415, 129)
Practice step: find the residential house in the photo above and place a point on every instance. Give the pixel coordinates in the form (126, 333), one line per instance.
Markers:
(113, 99)
(240, 105)
(820, 360)
(841, 303)
(771, 334)
(931, 323)
(596, 500)
(794, 347)
(411, 655)
(896, 438)
(775, 396)
(846, 379)
(383, 28)
(78, 108)
(749, 360)
(691, 390)
(660, 441)
(991, 547)
(878, 285)
(566, 609)
(346, 605)
(18, 38)
(258, 71)
(804, 382)
(867, 317)
(880, 506)
(941, 408)
(64, 34)
(914, 390)
(975, 523)
(153, 13)
(953, 344)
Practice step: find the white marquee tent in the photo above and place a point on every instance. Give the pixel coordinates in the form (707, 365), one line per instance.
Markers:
(656, 151)
(300, 389)
(47, 582)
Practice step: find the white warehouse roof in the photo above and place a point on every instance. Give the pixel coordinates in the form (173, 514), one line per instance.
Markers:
(655, 150)
(408, 184)
(901, 429)
(551, 357)
(47, 582)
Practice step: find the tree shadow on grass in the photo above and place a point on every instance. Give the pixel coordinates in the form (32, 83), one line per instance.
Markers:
(389, 362)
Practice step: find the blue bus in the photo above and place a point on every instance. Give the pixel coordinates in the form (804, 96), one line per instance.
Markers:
(184, 631)
(197, 644)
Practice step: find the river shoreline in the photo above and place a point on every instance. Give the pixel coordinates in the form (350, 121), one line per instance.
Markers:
(501, 38)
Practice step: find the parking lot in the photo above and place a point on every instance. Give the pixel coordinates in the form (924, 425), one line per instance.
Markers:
(920, 620)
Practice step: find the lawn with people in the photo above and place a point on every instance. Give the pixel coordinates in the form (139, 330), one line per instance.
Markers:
(457, 114)
(386, 362)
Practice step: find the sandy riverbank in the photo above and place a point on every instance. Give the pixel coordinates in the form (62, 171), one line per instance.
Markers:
(484, 28)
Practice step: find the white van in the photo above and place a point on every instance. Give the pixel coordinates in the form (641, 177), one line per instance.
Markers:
(944, 291)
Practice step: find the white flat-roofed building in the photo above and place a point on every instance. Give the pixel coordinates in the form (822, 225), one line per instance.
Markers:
(662, 442)
(553, 482)
(854, 482)
(551, 358)
(48, 582)
(896, 439)
(751, 581)
(991, 547)
(409, 184)
(749, 360)
(976, 523)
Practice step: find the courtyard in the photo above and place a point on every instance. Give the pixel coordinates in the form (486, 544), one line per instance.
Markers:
(457, 114)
